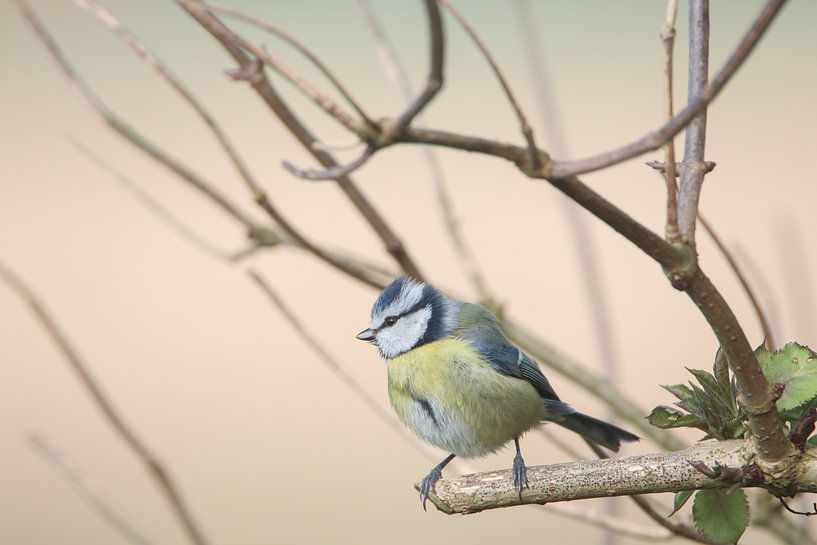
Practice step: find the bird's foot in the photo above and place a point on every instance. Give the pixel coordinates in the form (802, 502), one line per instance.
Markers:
(520, 474)
(428, 484)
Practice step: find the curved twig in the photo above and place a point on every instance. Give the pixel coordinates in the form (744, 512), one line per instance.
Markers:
(524, 126)
(434, 82)
(298, 45)
(334, 172)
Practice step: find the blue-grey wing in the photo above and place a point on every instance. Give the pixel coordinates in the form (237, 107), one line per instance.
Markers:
(509, 360)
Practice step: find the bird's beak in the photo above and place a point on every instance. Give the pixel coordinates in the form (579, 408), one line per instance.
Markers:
(365, 335)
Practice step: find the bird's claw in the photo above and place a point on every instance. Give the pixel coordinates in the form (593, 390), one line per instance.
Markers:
(428, 484)
(520, 474)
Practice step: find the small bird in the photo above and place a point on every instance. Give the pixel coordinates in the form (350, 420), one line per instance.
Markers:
(457, 382)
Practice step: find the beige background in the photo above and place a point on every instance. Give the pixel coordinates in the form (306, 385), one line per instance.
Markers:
(267, 445)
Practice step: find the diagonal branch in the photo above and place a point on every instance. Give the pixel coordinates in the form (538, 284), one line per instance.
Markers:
(301, 48)
(397, 73)
(265, 90)
(87, 492)
(151, 462)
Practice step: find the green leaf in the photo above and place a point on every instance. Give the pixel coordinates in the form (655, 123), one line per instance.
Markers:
(721, 367)
(679, 501)
(666, 417)
(681, 391)
(720, 516)
(795, 367)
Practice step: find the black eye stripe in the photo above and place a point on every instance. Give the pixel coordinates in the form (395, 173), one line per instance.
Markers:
(412, 310)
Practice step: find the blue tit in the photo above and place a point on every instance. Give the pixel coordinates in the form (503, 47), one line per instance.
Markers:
(457, 382)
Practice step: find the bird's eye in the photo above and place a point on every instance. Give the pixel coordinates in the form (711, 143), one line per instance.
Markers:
(390, 321)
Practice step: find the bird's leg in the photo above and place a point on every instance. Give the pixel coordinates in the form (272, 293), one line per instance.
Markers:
(432, 477)
(520, 472)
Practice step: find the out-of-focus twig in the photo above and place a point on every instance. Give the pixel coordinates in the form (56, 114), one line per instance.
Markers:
(258, 194)
(668, 40)
(265, 90)
(87, 492)
(397, 73)
(128, 132)
(151, 462)
(300, 47)
(153, 205)
(765, 325)
(524, 126)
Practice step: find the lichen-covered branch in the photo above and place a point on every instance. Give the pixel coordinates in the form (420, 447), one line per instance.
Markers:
(642, 474)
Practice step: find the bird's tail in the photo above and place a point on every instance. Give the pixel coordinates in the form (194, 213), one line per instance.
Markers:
(596, 430)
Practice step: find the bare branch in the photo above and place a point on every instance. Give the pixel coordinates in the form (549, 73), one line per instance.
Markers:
(265, 90)
(434, 82)
(87, 492)
(332, 172)
(399, 77)
(151, 462)
(300, 47)
(324, 356)
(668, 39)
(693, 169)
(524, 126)
(765, 325)
(696, 104)
(128, 132)
(642, 474)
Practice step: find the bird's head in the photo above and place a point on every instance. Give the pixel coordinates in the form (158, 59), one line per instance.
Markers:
(408, 314)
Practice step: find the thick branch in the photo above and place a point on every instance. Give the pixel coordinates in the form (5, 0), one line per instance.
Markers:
(771, 442)
(642, 474)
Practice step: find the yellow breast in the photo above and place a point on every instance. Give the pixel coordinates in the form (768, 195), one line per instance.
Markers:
(446, 394)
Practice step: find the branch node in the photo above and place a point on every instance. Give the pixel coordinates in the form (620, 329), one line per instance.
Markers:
(252, 72)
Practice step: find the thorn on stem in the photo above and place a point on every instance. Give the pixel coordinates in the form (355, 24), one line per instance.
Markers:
(251, 72)
(800, 434)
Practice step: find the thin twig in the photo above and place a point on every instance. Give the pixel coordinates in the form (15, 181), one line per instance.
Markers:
(153, 205)
(524, 126)
(693, 169)
(300, 47)
(765, 325)
(258, 194)
(434, 81)
(323, 354)
(397, 73)
(156, 468)
(332, 172)
(127, 131)
(262, 86)
(88, 493)
(696, 104)
(668, 39)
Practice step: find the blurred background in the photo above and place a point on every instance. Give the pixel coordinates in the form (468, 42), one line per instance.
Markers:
(265, 443)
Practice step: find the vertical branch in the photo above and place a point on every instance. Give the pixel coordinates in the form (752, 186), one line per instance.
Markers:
(668, 39)
(155, 467)
(693, 168)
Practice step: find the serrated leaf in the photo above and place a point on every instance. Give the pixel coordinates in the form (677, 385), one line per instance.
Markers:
(720, 516)
(666, 417)
(795, 367)
(679, 500)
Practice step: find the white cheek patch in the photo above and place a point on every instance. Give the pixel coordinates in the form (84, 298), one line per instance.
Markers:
(405, 334)
(409, 296)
